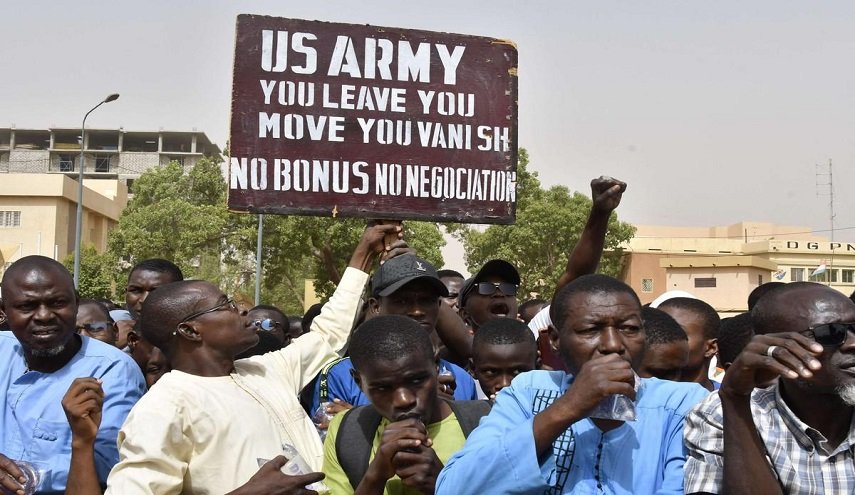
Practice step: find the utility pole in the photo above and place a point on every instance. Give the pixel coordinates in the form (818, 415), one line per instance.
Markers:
(830, 193)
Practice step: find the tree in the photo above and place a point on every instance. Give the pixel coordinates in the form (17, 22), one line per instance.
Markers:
(319, 248)
(548, 225)
(96, 281)
(183, 218)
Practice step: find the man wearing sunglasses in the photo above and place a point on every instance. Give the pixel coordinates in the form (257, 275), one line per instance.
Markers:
(490, 294)
(796, 436)
(93, 320)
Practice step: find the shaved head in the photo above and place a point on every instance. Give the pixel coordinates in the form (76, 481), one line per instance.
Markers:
(167, 306)
(32, 263)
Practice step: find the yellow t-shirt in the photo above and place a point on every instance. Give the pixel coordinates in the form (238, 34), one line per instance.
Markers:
(447, 439)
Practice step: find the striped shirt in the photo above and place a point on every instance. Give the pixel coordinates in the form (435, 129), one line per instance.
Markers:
(800, 456)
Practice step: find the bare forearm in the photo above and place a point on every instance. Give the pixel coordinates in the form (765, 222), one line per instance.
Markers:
(82, 475)
(745, 467)
(371, 484)
(586, 255)
(453, 332)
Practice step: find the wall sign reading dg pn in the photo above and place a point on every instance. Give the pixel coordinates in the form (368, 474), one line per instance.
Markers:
(363, 121)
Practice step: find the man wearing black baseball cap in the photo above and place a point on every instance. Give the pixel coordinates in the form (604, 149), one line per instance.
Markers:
(405, 285)
(490, 294)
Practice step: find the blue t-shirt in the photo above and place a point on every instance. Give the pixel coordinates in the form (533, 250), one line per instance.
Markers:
(645, 456)
(34, 426)
(340, 385)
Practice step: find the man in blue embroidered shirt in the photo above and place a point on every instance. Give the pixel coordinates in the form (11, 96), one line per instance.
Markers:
(41, 358)
(539, 436)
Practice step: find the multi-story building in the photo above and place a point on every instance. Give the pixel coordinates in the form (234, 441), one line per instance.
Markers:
(722, 265)
(107, 153)
(38, 214)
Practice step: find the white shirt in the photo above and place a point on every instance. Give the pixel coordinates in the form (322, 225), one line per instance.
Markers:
(204, 435)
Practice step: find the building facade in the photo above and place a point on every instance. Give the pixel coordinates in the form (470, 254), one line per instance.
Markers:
(722, 265)
(38, 214)
(108, 153)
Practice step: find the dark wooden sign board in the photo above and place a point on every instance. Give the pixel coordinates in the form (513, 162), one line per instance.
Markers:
(334, 119)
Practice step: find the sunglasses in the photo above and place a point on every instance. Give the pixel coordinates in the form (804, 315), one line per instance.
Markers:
(95, 327)
(229, 304)
(490, 288)
(267, 324)
(832, 334)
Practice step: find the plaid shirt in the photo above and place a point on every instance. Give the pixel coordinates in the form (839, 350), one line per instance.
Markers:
(799, 455)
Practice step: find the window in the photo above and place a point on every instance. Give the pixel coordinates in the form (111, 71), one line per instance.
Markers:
(848, 276)
(759, 279)
(833, 275)
(647, 285)
(66, 163)
(10, 218)
(102, 164)
(705, 282)
(797, 274)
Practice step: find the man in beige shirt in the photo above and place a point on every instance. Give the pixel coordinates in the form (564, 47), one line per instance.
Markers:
(203, 428)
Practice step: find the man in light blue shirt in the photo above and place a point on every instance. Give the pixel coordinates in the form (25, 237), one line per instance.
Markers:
(548, 433)
(41, 356)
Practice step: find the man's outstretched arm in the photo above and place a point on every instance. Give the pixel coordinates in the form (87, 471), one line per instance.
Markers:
(606, 193)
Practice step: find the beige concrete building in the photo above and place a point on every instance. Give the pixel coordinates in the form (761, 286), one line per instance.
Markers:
(108, 153)
(38, 213)
(722, 265)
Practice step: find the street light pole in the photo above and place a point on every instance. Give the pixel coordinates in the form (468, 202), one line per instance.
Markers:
(79, 224)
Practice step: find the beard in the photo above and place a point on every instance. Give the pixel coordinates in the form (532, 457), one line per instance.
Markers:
(46, 353)
(847, 394)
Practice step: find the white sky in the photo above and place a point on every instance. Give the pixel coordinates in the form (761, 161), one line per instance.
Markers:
(713, 112)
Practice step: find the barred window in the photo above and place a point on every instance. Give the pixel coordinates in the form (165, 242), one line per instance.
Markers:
(647, 285)
(10, 218)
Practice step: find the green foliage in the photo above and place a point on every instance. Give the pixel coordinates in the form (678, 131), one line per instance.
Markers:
(318, 248)
(95, 273)
(183, 218)
(548, 226)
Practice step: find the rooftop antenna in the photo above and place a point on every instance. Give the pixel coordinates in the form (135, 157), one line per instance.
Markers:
(830, 193)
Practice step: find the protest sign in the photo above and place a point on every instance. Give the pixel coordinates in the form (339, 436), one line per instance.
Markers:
(352, 120)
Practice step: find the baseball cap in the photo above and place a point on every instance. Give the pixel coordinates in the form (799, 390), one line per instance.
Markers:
(401, 270)
(499, 268)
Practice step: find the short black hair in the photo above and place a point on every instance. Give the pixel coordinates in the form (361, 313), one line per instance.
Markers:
(98, 304)
(34, 262)
(165, 307)
(503, 331)
(449, 273)
(852, 296)
(660, 327)
(159, 265)
(388, 338)
(586, 284)
(766, 315)
(734, 335)
(530, 304)
(313, 311)
(760, 291)
(268, 307)
(707, 314)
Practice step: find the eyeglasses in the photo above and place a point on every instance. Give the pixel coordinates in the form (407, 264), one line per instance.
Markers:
(95, 327)
(267, 324)
(229, 304)
(490, 288)
(832, 334)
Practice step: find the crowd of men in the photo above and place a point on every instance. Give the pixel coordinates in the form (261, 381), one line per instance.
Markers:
(411, 380)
